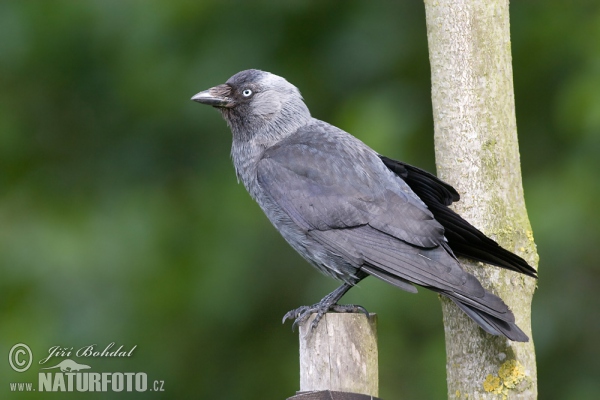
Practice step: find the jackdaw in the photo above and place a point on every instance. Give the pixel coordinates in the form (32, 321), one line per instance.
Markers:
(351, 212)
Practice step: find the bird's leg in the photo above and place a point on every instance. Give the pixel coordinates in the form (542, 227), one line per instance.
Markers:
(328, 303)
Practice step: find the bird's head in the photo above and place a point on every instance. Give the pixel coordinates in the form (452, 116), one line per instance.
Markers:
(256, 103)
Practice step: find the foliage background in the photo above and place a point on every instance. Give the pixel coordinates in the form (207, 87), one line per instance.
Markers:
(121, 220)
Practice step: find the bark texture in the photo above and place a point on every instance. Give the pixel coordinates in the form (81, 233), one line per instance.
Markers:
(477, 152)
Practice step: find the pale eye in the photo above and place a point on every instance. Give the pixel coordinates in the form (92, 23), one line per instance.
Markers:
(247, 92)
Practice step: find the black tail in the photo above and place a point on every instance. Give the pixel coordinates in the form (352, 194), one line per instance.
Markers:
(493, 325)
(464, 239)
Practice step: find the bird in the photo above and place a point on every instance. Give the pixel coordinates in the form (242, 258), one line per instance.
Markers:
(351, 212)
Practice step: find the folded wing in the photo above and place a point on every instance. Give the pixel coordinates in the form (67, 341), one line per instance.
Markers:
(464, 239)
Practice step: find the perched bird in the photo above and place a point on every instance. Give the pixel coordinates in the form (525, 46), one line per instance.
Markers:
(350, 212)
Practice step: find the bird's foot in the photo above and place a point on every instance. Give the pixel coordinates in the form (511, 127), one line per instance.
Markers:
(301, 314)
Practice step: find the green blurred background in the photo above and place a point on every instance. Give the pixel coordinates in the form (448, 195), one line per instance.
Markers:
(121, 220)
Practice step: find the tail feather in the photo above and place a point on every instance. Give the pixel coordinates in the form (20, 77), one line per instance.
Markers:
(493, 325)
(488, 311)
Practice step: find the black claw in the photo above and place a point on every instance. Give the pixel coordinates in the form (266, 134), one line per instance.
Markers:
(320, 313)
(363, 310)
(292, 314)
(298, 315)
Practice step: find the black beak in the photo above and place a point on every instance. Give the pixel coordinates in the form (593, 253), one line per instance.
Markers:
(217, 96)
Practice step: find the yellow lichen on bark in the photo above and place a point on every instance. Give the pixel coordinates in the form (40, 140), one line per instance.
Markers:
(510, 375)
(492, 384)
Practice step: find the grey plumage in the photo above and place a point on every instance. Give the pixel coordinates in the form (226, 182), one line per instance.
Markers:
(350, 212)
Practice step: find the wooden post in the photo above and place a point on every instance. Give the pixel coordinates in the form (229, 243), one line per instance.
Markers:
(339, 358)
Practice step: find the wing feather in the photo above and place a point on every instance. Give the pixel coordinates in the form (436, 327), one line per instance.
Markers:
(325, 187)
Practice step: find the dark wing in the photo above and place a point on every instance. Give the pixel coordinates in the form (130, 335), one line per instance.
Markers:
(464, 239)
(325, 187)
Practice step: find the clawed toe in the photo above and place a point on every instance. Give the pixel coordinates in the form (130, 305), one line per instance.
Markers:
(292, 314)
(328, 303)
(349, 308)
(301, 314)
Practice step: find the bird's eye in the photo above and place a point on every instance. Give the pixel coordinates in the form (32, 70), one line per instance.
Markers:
(247, 92)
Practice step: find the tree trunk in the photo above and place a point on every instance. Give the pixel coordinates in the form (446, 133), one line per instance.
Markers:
(477, 152)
